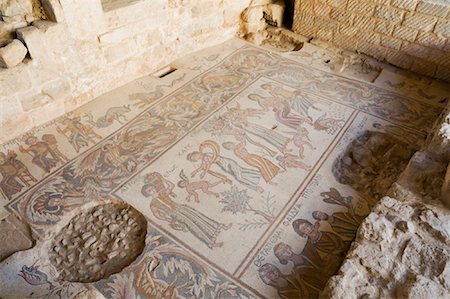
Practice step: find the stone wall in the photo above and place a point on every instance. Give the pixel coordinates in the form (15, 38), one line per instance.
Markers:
(411, 34)
(88, 50)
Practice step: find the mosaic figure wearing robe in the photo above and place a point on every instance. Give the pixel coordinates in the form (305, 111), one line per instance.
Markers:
(181, 217)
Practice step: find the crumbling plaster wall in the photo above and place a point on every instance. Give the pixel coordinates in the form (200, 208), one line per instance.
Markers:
(89, 51)
(411, 34)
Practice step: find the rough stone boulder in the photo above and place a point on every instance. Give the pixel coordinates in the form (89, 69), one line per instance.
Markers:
(12, 54)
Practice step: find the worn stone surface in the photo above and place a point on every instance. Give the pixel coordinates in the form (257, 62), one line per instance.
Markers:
(372, 162)
(14, 236)
(12, 54)
(98, 242)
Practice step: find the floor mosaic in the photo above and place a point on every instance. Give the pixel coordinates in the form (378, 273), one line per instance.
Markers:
(230, 159)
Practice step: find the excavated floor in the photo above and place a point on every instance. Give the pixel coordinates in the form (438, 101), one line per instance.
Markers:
(253, 171)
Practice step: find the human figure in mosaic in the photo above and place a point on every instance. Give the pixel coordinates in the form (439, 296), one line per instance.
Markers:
(180, 217)
(238, 117)
(266, 168)
(282, 111)
(192, 188)
(50, 139)
(13, 173)
(79, 135)
(310, 272)
(322, 247)
(41, 153)
(288, 286)
(301, 139)
(297, 101)
(209, 154)
(343, 223)
(224, 126)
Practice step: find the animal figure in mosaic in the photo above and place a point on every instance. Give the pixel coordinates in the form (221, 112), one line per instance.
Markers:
(266, 168)
(146, 98)
(192, 187)
(327, 124)
(78, 134)
(148, 285)
(105, 167)
(180, 217)
(111, 115)
(14, 174)
(33, 276)
(45, 154)
(62, 193)
(184, 108)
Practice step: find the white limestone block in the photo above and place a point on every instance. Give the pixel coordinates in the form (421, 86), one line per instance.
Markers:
(34, 39)
(12, 54)
(11, 8)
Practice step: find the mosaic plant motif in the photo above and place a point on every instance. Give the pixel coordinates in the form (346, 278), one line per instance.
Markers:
(233, 170)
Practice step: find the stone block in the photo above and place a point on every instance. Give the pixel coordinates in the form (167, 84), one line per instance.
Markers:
(378, 52)
(321, 10)
(384, 27)
(424, 67)
(326, 24)
(53, 10)
(399, 59)
(389, 14)
(58, 89)
(348, 30)
(430, 40)
(442, 28)
(12, 54)
(14, 236)
(345, 41)
(35, 42)
(390, 42)
(370, 37)
(418, 21)
(9, 107)
(405, 4)
(35, 101)
(433, 8)
(306, 7)
(325, 35)
(416, 50)
(338, 3)
(404, 33)
(361, 8)
(11, 8)
(363, 22)
(340, 15)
